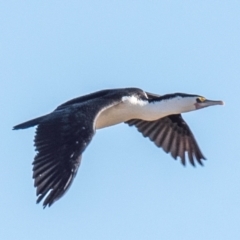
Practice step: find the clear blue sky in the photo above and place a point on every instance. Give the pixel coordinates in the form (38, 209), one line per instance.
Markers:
(126, 187)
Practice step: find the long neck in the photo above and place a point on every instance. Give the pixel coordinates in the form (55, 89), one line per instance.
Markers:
(131, 108)
(157, 109)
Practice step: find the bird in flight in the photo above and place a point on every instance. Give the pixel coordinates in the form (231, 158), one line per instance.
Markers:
(63, 135)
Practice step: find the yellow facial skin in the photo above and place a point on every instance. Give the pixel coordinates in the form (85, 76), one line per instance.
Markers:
(201, 99)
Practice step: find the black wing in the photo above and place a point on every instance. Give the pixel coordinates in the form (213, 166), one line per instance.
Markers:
(173, 135)
(88, 97)
(60, 141)
(61, 138)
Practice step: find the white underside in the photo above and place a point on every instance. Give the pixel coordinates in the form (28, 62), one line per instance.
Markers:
(133, 108)
(117, 114)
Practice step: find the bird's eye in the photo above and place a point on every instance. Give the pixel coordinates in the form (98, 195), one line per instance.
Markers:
(201, 99)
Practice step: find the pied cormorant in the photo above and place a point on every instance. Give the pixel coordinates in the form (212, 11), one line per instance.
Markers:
(63, 135)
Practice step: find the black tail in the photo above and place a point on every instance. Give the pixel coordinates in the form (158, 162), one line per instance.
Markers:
(29, 123)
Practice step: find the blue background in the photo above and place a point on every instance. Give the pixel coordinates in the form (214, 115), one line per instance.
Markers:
(126, 187)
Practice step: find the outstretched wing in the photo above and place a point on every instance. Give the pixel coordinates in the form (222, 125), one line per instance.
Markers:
(60, 141)
(61, 137)
(173, 135)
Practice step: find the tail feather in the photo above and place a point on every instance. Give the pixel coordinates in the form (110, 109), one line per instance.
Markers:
(29, 123)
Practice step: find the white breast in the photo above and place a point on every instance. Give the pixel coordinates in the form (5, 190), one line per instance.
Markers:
(127, 109)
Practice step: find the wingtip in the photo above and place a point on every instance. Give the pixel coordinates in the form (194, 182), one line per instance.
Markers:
(45, 204)
(193, 162)
(183, 164)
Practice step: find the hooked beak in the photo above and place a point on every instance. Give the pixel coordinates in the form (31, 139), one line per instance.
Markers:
(207, 103)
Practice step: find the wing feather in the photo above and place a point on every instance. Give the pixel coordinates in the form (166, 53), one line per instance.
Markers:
(59, 141)
(173, 135)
